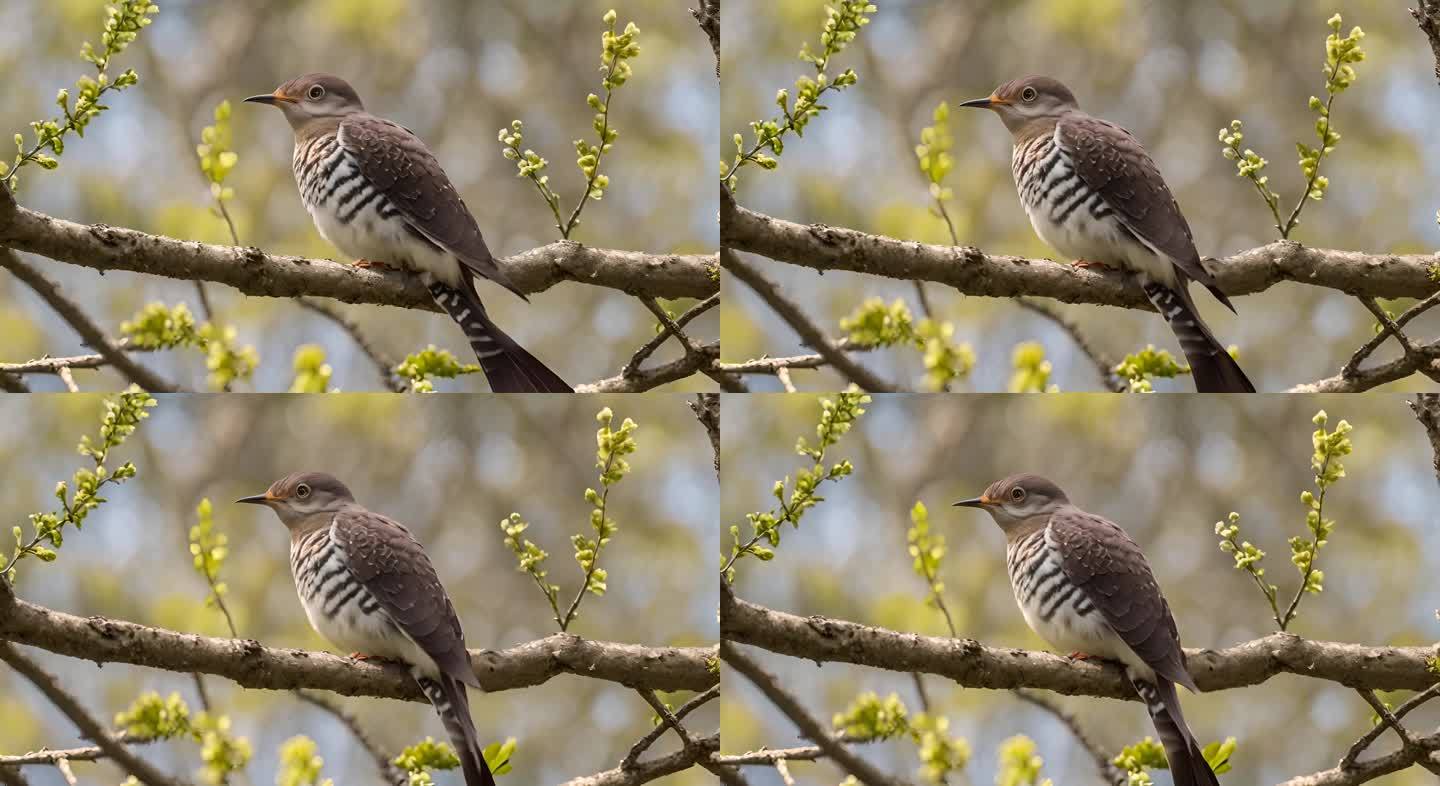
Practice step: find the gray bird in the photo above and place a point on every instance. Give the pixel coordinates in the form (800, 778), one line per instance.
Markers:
(376, 193)
(1085, 587)
(368, 587)
(1093, 193)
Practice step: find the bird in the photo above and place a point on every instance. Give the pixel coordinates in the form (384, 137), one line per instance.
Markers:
(368, 587)
(1085, 587)
(1093, 193)
(375, 192)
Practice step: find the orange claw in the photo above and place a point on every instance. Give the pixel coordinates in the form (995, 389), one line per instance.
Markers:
(1087, 264)
(369, 263)
(1078, 656)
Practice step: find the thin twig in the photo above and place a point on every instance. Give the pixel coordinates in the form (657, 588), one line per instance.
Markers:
(383, 363)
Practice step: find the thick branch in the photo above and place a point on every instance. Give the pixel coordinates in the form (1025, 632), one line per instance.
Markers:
(974, 665)
(254, 665)
(89, 727)
(974, 272)
(254, 272)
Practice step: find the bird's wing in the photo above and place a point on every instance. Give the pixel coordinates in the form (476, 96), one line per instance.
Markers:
(1114, 576)
(389, 563)
(397, 163)
(1111, 161)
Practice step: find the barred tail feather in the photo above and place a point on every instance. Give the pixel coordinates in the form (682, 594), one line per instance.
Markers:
(1187, 762)
(1211, 365)
(507, 366)
(452, 704)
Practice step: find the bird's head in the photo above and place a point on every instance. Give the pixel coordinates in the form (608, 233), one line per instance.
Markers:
(301, 495)
(1027, 103)
(312, 98)
(1017, 499)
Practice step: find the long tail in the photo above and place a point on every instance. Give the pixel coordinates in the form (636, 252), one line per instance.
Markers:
(453, 705)
(1187, 763)
(507, 366)
(1214, 370)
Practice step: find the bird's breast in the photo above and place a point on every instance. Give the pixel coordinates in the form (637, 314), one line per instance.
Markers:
(338, 605)
(1054, 607)
(358, 218)
(1073, 218)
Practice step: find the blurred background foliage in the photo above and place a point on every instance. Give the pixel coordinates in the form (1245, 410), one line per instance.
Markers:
(454, 72)
(450, 468)
(1172, 72)
(1166, 469)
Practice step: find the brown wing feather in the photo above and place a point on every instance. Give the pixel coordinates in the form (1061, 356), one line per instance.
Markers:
(1111, 161)
(395, 161)
(388, 561)
(1113, 573)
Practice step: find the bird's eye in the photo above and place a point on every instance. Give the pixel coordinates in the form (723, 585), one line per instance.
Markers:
(316, 92)
(1028, 94)
(1017, 493)
(302, 491)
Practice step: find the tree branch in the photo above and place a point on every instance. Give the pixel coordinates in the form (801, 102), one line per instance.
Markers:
(707, 15)
(809, 332)
(971, 664)
(707, 410)
(1425, 359)
(383, 363)
(1427, 16)
(1424, 749)
(642, 380)
(89, 727)
(383, 759)
(253, 665)
(974, 272)
(89, 332)
(654, 769)
(809, 727)
(1426, 407)
(254, 272)
(1104, 760)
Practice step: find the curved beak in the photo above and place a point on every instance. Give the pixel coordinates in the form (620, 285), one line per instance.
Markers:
(989, 102)
(975, 502)
(270, 98)
(258, 499)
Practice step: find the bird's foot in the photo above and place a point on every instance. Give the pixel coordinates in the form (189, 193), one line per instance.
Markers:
(377, 659)
(1079, 656)
(368, 264)
(1088, 264)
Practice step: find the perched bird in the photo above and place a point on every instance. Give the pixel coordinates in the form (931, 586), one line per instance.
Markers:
(376, 193)
(1085, 587)
(1093, 193)
(368, 588)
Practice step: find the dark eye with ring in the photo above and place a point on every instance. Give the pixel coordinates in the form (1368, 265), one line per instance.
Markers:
(1028, 94)
(302, 491)
(1017, 494)
(316, 92)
